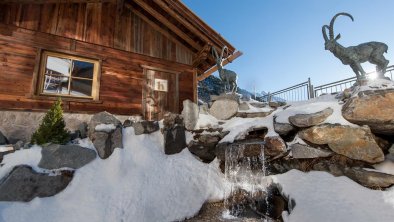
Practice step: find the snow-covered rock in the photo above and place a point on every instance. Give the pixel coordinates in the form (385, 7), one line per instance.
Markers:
(356, 143)
(374, 108)
(312, 119)
(105, 131)
(24, 184)
(224, 109)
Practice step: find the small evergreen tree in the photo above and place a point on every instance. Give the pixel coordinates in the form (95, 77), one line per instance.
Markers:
(51, 129)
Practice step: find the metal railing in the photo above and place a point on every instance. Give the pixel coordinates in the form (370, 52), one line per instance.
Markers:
(339, 86)
(299, 92)
(305, 90)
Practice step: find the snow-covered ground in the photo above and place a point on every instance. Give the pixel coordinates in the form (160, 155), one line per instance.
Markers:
(137, 183)
(322, 197)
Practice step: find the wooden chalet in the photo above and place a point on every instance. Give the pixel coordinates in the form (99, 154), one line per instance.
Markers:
(122, 56)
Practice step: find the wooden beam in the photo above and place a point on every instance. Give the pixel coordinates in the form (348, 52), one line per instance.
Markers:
(183, 21)
(167, 23)
(54, 1)
(215, 68)
(154, 25)
(190, 16)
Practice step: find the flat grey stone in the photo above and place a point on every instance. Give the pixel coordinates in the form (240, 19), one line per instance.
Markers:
(24, 184)
(57, 156)
(300, 151)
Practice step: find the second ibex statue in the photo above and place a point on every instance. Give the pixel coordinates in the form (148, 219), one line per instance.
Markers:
(227, 76)
(355, 55)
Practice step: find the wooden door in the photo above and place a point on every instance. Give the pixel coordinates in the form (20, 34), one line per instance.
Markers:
(160, 93)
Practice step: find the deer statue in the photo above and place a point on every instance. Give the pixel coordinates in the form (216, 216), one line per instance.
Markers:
(355, 55)
(227, 76)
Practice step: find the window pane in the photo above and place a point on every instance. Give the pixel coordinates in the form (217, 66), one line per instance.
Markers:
(81, 87)
(83, 69)
(56, 85)
(58, 66)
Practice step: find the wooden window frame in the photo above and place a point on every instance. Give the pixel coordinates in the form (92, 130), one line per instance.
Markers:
(40, 76)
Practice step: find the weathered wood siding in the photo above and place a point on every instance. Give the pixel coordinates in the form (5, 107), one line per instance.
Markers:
(122, 76)
(97, 23)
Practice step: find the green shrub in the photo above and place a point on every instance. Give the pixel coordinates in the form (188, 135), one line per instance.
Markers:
(52, 130)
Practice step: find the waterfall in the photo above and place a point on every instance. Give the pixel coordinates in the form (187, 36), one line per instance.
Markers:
(245, 171)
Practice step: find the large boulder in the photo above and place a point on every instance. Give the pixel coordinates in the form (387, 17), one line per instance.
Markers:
(274, 146)
(24, 184)
(145, 127)
(374, 108)
(105, 131)
(174, 134)
(190, 114)
(102, 118)
(224, 109)
(301, 151)
(283, 129)
(204, 147)
(312, 119)
(355, 143)
(57, 156)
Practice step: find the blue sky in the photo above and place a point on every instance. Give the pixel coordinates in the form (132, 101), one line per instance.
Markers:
(282, 40)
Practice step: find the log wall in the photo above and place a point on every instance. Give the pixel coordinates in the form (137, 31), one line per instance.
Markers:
(121, 81)
(97, 23)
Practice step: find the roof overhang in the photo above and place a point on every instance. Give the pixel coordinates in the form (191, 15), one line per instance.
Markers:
(173, 19)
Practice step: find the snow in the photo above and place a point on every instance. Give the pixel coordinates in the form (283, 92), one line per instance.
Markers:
(29, 157)
(206, 121)
(6, 148)
(253, 109)
(376, 84)
(387, 166)
(315, 105)
(137, 183)
(105, 128)
(319, 196)
(239, 127)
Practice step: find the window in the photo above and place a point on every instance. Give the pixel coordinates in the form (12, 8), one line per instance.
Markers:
(68, 76)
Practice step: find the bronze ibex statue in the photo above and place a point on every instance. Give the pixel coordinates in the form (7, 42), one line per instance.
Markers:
(227, 76)
(355, 55)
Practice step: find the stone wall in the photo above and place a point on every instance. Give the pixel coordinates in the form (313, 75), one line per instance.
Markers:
(20, 125)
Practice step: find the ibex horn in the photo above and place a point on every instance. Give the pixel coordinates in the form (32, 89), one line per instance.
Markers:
(222, 54)
(331, 29)
(324, 28)
(214, 52)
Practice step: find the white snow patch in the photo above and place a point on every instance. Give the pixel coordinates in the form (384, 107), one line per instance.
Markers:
(29, 157)
(319, 196)
(315, 105)
(376, 84)
(386, 166)
(6, 148)
(206, 121)
(136, 183)
(105, 128)
(189, 137)
(86, 143)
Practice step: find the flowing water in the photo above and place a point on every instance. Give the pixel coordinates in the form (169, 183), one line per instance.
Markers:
(245, 172)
